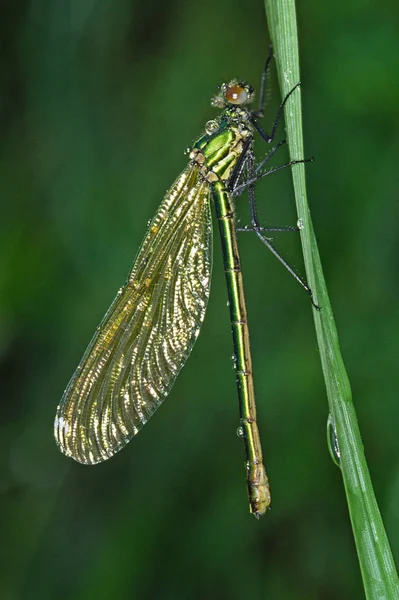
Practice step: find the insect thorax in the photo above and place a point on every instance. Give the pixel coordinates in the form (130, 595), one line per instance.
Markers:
(218, 151)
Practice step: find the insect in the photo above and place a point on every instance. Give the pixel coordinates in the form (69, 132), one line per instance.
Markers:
(150, 328)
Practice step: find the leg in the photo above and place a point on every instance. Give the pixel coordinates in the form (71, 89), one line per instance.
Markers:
(262, 90)
(259, 230)
(239, 169)
(262, 133)
(250, 228)
(240, 166)
(269, 156)
(252, 180)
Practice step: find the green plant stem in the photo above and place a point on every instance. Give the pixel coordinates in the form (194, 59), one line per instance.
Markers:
(376, 562)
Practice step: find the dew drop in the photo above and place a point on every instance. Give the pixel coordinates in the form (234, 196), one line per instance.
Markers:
(240, 431)
(332, 441)
(211, 127)
(300, 224)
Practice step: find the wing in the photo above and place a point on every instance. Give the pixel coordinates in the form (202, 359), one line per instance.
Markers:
(148, 332)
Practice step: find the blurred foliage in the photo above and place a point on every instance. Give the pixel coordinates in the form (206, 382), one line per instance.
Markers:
(98, 102)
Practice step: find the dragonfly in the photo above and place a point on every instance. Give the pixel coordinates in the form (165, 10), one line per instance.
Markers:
(149, 331)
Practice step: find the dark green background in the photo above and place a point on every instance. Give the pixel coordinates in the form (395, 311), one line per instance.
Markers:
(98, 102)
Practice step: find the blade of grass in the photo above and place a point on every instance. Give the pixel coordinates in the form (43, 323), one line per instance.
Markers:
(378, 570)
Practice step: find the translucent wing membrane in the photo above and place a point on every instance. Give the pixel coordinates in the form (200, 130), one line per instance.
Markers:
(147, 334)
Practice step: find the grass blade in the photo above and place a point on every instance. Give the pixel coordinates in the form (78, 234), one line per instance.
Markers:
(378, 570)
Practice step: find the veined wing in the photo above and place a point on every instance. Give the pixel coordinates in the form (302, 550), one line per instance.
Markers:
(148, 332)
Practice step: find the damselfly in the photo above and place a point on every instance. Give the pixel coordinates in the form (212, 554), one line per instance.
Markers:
(150, 329)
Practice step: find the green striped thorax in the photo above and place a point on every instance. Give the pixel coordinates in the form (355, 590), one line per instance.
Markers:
(218, 150)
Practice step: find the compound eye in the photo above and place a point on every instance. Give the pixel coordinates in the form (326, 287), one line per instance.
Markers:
(236, 94)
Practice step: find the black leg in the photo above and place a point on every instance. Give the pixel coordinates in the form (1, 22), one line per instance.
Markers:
(240, 166)
(250, 184)
(252, 180)
(268, 138)
(280, 110)
(258, 114)
(288, 228)
(269, 156)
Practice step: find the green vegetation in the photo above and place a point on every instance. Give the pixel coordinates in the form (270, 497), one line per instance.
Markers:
(380, 578)
(98, 106)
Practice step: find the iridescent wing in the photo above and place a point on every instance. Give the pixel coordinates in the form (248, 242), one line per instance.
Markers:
(147, 334)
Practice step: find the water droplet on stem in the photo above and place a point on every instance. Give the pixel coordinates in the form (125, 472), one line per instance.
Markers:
(332, 441)
(240, 431)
